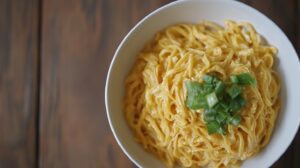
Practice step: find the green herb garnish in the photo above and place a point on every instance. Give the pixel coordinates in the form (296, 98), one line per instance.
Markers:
(215, 127)
(243, 79)
(211, 99)
(195, 96)
(221, 100)
(234, 91)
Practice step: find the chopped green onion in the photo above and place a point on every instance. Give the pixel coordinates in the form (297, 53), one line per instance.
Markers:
(234, 79)
(236, 104)
(208, 116)
(208, 79)
(221, 101)
(192, 102)
(221, 117)
(210, 111)
(193, 87)
(224, 105)
(195, 98)
(246, 79)
(211, 99)
(214, 127)
(235, 120)
(207, 88)
(234, 91)
(220, 86)
(215, 81)
(241, 100)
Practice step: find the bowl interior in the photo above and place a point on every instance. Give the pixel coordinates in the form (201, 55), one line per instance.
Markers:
(193, 11)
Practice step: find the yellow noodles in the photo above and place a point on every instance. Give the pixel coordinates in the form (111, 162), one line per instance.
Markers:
(155, 94)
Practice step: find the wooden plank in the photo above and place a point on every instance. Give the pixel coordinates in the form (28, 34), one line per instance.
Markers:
(18, 83)
(296, 154)
(79, 39)
(296, 143)
(282, 12)
(297, 27)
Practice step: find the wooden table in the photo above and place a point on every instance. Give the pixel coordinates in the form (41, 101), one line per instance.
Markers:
(54, 56)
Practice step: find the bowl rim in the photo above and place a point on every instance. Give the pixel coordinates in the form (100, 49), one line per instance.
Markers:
(148, 16)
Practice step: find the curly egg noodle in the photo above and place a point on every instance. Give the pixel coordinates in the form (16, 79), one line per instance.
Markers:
(155, 93)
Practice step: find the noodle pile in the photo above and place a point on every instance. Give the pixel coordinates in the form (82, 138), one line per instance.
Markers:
(155, 93)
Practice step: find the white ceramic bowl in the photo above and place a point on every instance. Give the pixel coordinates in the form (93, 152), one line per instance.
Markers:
(195, 11)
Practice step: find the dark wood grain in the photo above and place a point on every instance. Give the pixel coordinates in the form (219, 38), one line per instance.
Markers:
(282, 12)
(297, 27)
(18, 83)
